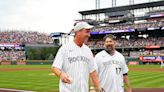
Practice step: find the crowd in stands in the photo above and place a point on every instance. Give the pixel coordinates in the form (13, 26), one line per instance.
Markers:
(126, 26)
(158, 52)
(141, 42)
(23, 37)
(20, 37)
(11, 55)
(136, 54)
(154, 52)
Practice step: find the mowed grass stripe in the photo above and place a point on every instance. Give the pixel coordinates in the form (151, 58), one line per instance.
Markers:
(31, 86)
(148, 77)
(144, 66)
(158, 82)
(25, 66)
(140, 82)
(29, 80)
(134, 75)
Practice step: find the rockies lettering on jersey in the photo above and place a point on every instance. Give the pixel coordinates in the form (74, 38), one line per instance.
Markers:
(78, 59)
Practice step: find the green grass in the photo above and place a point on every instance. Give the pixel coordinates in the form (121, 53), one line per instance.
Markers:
(146, 79)
(144, 66)
(25, 66)
(36, 80)
(40, 81)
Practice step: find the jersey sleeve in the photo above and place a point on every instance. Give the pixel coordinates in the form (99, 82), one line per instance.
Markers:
(58, 61)
(92, 64)
(124, 66)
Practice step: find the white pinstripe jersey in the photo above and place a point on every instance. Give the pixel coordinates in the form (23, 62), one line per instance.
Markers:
(77, 62)
(111, 70)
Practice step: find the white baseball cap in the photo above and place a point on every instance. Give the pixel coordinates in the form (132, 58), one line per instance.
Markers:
(82, 25)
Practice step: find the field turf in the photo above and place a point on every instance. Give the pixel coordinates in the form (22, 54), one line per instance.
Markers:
(37, 78)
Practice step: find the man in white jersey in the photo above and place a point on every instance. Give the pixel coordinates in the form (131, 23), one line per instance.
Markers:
(112, 68)
(74, 62)
(159, 58)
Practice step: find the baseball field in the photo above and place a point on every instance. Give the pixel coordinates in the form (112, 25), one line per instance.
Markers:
(38, 78)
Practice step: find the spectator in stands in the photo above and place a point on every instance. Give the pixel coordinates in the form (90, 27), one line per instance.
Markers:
(12, 55)
(24, 37)
(140, 42)
(126, 26)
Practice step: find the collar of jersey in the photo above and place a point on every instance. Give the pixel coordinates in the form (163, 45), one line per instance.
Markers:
(109, 53)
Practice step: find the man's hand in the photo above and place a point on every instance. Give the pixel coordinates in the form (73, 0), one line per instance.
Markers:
(95, 80)
(127, 84)
(65, 78)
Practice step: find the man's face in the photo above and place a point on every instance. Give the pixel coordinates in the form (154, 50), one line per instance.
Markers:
(109, 44)
(84, 34)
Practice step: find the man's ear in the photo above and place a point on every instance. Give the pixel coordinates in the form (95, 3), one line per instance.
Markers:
(114, 42)
(77, 33)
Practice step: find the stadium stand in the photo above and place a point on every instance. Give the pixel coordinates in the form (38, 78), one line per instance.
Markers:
(12, 55)
(24, 37)
(142, 42)
(139, 29)
(12, 43)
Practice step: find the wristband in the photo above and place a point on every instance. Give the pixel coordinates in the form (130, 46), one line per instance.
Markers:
(92, 88)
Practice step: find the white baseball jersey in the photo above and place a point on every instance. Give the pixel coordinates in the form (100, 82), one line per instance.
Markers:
(111, 70)
(77, 62)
